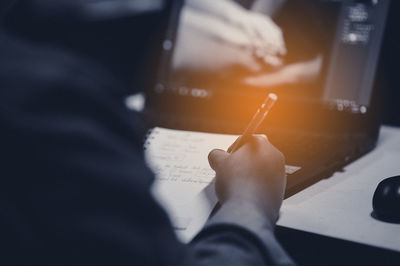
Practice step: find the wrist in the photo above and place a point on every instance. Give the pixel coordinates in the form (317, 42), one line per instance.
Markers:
(247, 210)
(236, 15)
(253, 195)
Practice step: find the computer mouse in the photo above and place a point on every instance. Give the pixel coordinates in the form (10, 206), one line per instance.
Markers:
(386, 200)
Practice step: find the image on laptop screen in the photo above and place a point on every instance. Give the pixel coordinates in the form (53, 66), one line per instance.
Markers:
(332, 49)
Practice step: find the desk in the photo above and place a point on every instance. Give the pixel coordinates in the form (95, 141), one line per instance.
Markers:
(340, 206)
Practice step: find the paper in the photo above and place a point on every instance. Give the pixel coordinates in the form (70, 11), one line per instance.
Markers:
(184, 180)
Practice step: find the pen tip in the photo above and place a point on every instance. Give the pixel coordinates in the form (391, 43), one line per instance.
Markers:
(273, 96)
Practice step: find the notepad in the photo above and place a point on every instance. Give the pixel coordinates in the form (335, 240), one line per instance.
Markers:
(184, 183)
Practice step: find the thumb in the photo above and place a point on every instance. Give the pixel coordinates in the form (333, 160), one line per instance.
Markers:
(216, 157)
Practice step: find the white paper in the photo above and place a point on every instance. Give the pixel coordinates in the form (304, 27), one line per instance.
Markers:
(184, 184)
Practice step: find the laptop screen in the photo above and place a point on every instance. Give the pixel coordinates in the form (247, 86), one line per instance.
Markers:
(332, 49)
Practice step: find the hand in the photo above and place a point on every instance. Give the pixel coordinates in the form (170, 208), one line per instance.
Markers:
(216, 35)
(266, 38)
(295, 73)
(254, 173)
(208, 44)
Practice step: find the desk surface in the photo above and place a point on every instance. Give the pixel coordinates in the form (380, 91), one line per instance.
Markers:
(341, 205)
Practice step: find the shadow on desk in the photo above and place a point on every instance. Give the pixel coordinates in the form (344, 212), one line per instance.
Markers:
(311, 249)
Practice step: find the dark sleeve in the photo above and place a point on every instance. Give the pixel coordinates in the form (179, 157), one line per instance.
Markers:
(239, 235)
(75, 189)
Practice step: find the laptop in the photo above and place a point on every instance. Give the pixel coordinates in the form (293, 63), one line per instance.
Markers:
(328, 112)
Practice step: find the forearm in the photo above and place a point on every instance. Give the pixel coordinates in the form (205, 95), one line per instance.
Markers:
(238, 234)
(268, 7)
(224, 9)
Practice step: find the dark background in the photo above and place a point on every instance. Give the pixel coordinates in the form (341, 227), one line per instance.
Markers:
(389, 69)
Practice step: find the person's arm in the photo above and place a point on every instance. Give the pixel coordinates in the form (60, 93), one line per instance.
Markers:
(239, 234)
(295, 73)
(224, 9)
(250, 184)
(267, 7)
(207, 44)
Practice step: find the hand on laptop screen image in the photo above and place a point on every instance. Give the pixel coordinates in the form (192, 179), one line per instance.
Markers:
(218, 36)
(299, 72)
(225, 46)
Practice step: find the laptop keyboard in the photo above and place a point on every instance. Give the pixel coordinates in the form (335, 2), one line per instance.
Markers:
(305, 148)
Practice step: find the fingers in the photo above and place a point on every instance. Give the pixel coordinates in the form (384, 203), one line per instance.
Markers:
(235, 144)
(240, 141)
(283, 76)
(289, 74)
(216, 157)
(258, 140)
(273, 60)
(269, 35)
(272, 35)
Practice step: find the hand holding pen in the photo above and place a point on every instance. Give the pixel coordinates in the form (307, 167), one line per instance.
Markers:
(256, 121)
(252, 177)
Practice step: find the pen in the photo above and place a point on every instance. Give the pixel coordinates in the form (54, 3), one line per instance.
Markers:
(257, 119)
